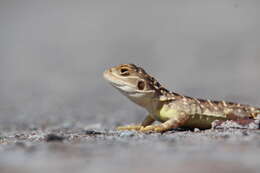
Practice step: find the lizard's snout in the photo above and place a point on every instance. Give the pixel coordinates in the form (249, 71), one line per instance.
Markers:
(107, 73)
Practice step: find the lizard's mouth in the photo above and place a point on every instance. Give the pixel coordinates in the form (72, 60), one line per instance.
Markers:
(118, 84)
(112, 80)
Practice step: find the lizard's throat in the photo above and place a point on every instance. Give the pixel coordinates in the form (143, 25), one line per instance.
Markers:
(149, 102)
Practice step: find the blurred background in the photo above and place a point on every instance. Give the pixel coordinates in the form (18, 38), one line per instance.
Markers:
(53, 54)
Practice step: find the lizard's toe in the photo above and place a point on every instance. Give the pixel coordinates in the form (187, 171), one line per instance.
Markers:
(160, 129)
(154, 128)
(130, 127)
(147, 129)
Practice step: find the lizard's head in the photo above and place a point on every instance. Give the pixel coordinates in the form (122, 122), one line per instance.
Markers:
(134, 82)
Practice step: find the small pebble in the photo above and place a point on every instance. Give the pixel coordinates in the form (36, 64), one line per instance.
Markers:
(92, 132)
(54, 138)
(196, 130)
(127, 134)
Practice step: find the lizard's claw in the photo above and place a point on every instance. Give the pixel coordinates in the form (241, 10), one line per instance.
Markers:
(130, 127)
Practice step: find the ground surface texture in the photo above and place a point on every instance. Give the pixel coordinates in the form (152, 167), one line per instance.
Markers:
(67, 149)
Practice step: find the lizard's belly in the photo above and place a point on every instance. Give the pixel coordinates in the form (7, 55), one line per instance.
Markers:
(202, 121)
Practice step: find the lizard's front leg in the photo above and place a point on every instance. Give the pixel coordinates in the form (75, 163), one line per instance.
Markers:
(172, 123)
(147, 121)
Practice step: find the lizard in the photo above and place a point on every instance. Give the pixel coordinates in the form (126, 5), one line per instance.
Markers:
(173, 110)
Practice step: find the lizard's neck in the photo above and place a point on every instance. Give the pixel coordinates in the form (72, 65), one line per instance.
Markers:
(150, 103)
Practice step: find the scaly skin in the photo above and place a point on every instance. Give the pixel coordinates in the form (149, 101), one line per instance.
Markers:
(171, 109)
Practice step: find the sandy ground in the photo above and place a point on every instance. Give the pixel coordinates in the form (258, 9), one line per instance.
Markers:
(74, 149)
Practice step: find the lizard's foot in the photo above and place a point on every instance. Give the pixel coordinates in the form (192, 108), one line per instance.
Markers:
(130, 127)
(154, 128)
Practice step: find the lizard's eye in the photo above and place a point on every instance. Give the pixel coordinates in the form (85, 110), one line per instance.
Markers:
(141, 85)
(124, 72)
